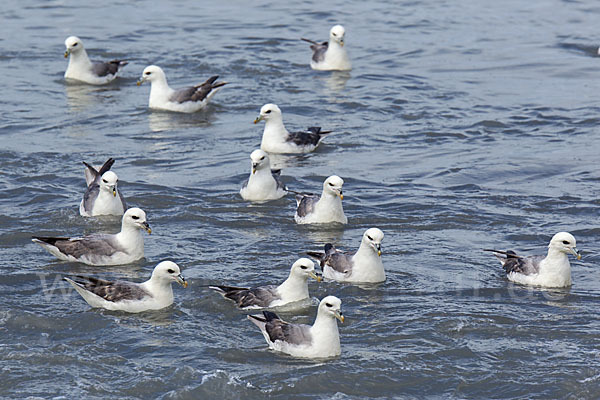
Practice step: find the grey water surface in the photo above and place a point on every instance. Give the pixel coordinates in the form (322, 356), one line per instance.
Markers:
(464, 125)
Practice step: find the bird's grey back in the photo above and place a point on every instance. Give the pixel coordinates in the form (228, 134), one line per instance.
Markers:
(290, 333)
(90, 196)
(319, 50)
(112, 291)
(93, 245)
(523, 265)
(306, 204)
(276, 173)
(100, 68)
(258, 297)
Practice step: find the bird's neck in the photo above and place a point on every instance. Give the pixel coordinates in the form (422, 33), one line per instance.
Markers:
(159, 90)
(365, 252)
(131, 237)
(160, 288)
(296, 285)
(556, 262)
(325, 330)
(80, 58)
(274, 129)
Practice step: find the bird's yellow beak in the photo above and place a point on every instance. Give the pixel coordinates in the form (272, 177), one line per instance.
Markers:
(341, 196)
(181, 280)
(258, 119)
(147, 228)
(379, 253)
(139, 83)
(315, 276)
(67, 53)
(114, 192)
(340, 316)
(576, 253)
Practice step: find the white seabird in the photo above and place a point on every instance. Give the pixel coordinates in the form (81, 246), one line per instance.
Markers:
(154, 294)
(552, 270)
(293, 289)
(321, 340)
(363, 266)
(81, 69)
(102, 249)
(263, 183)
(327, 208)
(332, 55)
(102, 196)
(186, 100)
(277, 139)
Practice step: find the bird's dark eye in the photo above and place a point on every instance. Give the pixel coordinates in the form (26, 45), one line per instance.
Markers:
(135, 217)
(303, 266)
(74, 44)
(328, 305)
(330, 184)
(268, 112)
(170, 271)
(147, 73)
(369, 237)
(262, 158)
(104, 180)
(566, 242)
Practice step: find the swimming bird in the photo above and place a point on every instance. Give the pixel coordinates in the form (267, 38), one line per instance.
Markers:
(186, 100)
(313, 209)
(332, 55)
(293, 289)
(321, 340)
(100, 197)
(81, 69)
(102, 249)
(154, 294)
(277, 139)
(363, 266)
(552, 270)
(263, 183)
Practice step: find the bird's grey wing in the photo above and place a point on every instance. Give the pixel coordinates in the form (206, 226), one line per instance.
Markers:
(91, 173)
(319, 51)
(306, 204)
(102, 245)
(244, 297)
(340, 262)
(183, 95)
(276, 173)
(196, 93)
(100, 68)
(523, 265)
(312, 136)
(122, 200)
(245, 184)
(112, 291)
(511, 262)
(278, 329)
(90, 196)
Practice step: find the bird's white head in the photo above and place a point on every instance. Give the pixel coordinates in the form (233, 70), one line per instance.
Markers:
(565, 243)
(260, 160)
(337, 34)
(333, 185)
(152, 73)
(268, 112)
(109, 181)
(305, 268)
(73, 45)
(169, 271)
(373, 237)
(332, 306)
(136, 217)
